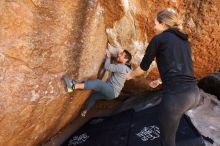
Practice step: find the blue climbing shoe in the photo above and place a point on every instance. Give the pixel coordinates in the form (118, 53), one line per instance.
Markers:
(69, 84)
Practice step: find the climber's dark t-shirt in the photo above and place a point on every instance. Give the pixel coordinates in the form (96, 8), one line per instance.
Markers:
(173, 56)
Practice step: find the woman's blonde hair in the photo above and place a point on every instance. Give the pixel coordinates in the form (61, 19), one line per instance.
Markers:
(170, 17)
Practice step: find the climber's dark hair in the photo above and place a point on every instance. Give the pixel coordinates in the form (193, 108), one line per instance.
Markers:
(128, 56)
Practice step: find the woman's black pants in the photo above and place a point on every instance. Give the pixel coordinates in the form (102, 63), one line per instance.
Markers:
(176, 100)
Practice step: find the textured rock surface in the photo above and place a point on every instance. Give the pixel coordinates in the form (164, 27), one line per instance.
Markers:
(40, 41)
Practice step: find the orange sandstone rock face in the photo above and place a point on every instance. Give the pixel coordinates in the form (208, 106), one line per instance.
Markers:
(40, 41)
(203, 18)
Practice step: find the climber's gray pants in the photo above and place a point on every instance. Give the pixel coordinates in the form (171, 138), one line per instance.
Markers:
(101, 90)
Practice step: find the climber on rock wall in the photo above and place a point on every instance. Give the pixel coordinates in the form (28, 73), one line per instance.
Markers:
(104, 90)
(173, 56)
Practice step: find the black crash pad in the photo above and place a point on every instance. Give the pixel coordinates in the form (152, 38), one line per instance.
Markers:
(145, 130)
(130, 128)
(103, 131)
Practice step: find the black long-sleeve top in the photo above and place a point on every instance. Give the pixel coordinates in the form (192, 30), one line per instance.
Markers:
(173, 56)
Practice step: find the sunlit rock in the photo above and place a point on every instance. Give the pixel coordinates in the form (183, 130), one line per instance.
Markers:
(40, 41)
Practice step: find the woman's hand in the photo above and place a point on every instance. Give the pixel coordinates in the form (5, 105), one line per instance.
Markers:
(155, 83)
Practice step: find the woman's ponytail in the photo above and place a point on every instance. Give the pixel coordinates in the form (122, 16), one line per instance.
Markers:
(170, 17)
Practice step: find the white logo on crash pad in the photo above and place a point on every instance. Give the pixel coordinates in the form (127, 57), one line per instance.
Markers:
(149, 133)
(75, 140)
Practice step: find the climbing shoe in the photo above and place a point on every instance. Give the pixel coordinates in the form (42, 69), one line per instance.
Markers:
(70, 84)
(83, 113)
